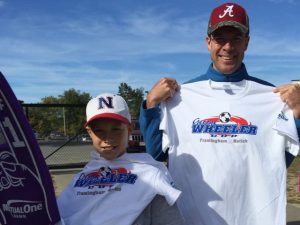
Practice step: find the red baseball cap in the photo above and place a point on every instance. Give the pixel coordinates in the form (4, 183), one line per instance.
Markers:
(229, 14)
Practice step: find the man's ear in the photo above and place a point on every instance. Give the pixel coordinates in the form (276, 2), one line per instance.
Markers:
(247, 42)
(208, 42)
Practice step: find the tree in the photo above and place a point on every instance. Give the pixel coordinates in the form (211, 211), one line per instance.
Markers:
(133, 97)
(46, 119)
(61, 119)
(75, 117)
(71, 119)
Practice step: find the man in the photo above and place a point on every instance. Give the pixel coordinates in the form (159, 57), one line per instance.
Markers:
(226, 132)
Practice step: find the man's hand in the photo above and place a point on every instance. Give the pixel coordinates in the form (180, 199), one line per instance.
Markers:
(162, 90)
(290, 94)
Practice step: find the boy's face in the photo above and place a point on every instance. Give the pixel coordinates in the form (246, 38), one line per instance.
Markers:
(109, 136)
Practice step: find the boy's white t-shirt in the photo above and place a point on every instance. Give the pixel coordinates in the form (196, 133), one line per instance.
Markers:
(227, 144)
(115, 192)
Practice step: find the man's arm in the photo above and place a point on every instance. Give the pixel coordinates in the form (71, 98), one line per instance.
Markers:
(150, 116)
(149, 125)
(289, 158)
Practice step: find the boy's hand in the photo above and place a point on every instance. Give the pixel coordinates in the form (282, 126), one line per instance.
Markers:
(162, 90)
(290, 94)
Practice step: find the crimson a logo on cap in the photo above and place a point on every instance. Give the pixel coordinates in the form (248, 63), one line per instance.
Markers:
(106, 102)
(228, 10)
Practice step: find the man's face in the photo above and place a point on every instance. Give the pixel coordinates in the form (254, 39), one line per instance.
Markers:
(227, 46)
(109, 136)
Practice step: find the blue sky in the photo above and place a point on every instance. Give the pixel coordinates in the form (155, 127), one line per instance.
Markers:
(94, 45)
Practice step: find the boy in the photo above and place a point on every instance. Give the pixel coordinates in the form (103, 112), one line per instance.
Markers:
(115, 187)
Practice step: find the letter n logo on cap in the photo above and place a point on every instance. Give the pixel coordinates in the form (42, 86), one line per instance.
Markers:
(105, 102)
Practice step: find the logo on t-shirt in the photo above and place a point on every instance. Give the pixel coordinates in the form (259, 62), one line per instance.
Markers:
(105, 177)
(282, 116)
(224, 125)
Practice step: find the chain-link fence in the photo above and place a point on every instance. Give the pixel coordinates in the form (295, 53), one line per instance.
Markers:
(62, 138)
(58, 130)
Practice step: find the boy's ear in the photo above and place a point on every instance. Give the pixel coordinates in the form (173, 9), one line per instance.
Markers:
(130, 128)
(88, 129)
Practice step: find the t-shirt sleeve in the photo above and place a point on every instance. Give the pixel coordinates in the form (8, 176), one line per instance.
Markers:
(165, 187)
(285, 125)
(164, 127)
(67, 198)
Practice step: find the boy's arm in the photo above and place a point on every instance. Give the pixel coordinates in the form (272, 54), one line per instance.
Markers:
(164, 214)
(158, 212)
(149, 123)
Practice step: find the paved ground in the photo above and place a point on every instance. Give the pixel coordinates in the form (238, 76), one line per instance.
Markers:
(293, 215)
(72, 153)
